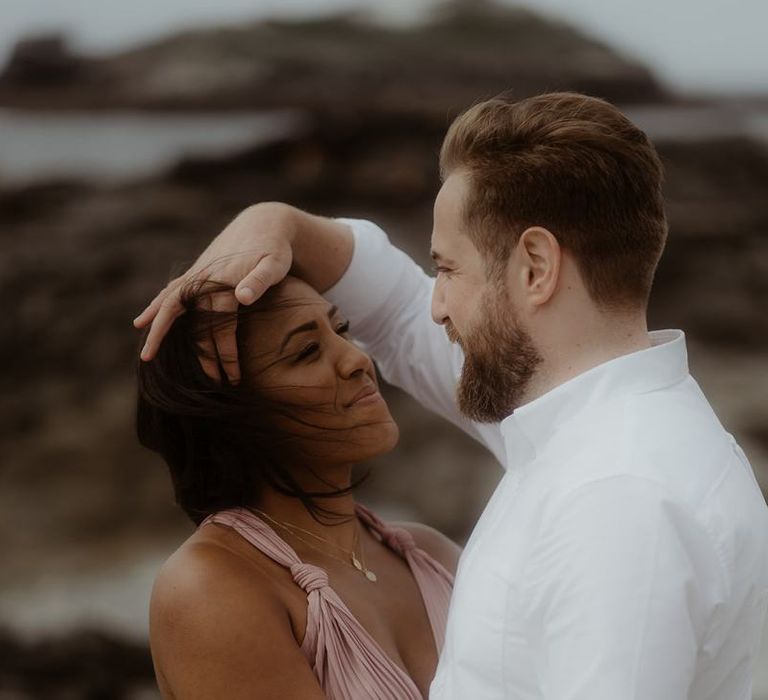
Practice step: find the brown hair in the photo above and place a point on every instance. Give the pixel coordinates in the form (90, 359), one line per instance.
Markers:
(574, 165)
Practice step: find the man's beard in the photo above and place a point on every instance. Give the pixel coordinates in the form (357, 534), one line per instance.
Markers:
(500, 359)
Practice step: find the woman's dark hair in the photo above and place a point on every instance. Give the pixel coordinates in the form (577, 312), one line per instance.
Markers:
(218, 439)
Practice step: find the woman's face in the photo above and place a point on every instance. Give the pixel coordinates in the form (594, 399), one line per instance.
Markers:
(298, 354)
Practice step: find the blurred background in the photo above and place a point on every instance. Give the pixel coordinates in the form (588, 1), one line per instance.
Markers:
(131, 133)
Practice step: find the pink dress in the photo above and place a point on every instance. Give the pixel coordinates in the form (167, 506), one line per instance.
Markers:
(348, 662)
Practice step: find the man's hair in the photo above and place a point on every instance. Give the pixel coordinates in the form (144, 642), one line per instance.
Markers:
(574, 165)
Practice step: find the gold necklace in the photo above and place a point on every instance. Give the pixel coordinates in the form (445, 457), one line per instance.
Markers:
(353, 560)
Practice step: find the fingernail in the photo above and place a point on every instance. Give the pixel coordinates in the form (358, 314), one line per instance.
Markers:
(246, 294)
(145, 351)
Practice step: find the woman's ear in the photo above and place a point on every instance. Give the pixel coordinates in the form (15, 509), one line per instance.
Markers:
(539, 257)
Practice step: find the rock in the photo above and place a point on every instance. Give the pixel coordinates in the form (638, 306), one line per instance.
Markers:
(713, 278)
(42, 62)
(467, 50)
(85, 664)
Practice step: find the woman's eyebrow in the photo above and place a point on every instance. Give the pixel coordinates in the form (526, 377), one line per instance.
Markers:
(304, 327)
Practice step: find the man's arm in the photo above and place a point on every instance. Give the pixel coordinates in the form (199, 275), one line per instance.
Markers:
(618, 592)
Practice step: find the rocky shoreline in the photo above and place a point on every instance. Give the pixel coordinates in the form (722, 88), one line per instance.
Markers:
(468, 50)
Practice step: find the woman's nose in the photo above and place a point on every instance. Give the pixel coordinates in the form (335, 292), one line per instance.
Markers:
(353, 360)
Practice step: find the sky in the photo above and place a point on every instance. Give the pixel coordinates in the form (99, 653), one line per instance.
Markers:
(712, 46)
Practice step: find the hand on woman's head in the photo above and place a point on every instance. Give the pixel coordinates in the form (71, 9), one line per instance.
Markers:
(250, 255)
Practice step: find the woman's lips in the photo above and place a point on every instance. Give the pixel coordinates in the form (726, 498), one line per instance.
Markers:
(369, 394)
(375, 397)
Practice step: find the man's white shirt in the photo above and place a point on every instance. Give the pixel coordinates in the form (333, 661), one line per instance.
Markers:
(623, 555)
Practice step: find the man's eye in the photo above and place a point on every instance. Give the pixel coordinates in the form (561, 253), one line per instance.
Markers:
(343, 328)
(437, 269)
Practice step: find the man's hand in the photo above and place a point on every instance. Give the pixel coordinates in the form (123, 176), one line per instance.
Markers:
(251, 254)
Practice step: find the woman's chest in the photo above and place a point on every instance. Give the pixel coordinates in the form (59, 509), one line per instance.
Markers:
(393, 614)
(390, 611)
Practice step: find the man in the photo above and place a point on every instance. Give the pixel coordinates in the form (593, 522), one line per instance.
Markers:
(625, 552)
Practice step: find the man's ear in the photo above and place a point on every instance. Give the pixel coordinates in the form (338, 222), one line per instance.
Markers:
(537, 265)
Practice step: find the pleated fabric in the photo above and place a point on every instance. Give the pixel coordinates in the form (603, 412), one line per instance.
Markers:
(348, 662)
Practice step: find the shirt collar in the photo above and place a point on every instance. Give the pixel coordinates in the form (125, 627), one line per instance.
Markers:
(527, 431)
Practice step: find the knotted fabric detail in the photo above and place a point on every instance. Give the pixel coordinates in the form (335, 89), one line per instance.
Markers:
(400, 540)
(308, 576)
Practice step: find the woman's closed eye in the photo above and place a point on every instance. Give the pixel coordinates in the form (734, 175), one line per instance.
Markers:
(313, 348)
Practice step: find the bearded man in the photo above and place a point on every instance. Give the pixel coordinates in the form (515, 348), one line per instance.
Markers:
(624, 553)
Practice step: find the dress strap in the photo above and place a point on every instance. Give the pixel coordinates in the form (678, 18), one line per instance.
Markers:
(434, 581)
(396, 538)
(265, 539)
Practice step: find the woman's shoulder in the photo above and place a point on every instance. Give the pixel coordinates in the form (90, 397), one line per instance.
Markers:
(219, 619)
(206, 574)
(433, 542)
(216, 573)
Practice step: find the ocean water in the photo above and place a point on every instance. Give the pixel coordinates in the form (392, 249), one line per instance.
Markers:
(119, 146)
(702, 122)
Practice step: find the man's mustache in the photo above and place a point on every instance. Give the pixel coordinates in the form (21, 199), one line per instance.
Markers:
(453, 336)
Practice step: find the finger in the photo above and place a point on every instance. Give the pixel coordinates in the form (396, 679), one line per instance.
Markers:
(268, 271)
(150, 311)
(154, 306)
(170, 309)
(225, 337)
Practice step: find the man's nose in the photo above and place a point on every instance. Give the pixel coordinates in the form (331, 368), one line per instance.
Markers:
(439, 313)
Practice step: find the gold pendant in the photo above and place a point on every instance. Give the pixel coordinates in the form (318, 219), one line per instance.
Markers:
(371, 576)
(356, 563)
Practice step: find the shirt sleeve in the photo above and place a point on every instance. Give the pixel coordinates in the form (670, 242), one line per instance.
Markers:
(387, 297)
(618, 594)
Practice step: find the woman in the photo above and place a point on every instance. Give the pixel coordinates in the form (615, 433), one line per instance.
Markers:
(287, 588)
